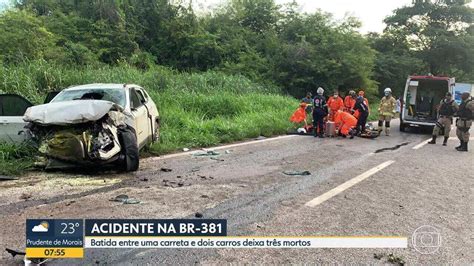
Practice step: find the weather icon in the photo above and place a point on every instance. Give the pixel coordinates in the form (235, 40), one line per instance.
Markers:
(42, 227)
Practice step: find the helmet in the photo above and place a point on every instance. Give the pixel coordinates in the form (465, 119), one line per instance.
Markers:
(351, 92)
(388, 90)
(320, 91)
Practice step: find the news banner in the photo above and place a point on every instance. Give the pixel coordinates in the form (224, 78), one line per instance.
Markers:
(68, 238)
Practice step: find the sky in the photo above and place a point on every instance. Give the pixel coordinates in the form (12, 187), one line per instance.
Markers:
(370, 12)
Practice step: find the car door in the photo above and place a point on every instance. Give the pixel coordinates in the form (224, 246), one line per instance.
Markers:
(12, 109)
(140, 115)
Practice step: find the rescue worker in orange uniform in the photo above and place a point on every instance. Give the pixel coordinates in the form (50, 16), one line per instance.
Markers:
(346, 123)
(335, 103)
(349, 102)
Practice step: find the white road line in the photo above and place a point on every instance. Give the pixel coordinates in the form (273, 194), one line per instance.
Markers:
(455, 138)
(333, 192)
(221, 147)
(421, 144)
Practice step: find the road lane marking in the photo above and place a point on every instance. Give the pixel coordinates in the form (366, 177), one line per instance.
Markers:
(421, 144)
(222, 147)
(456, 138)
(333, 192)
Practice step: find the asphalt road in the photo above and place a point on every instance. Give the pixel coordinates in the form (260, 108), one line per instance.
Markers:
(420, 185)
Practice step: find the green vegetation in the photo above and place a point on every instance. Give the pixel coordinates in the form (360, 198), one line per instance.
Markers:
(15, 158)
(220, 76)
(197, 110)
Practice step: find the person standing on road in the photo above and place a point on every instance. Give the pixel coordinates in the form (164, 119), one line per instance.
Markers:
(446, 111)
(335, 103)
(386, 111)
(308, 100)
(320, 111)
(464, 121)
(349, 101)
(363, 111)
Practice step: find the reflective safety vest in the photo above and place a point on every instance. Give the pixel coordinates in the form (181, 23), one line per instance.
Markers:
(447, 108)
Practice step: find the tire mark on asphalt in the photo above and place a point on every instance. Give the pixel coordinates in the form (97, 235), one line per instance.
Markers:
(396, 147)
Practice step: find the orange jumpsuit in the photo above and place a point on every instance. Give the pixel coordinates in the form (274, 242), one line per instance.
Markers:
(300, 114)
(349, 103)
(334, 105)
(345, 121)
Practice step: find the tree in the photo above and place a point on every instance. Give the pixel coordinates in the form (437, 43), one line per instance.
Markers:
(439, 32)
(23, 36)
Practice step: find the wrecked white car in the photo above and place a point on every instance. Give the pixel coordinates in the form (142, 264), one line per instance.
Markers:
(94, 124)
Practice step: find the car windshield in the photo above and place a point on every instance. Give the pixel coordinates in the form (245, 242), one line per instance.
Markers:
(113, 95)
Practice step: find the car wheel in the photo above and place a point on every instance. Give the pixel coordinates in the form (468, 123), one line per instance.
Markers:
(128, 140)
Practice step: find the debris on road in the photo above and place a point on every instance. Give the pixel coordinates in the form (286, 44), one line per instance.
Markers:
(217, 159)
(260, 138)
(205, 177)
(125, 199)
(131, 201)
(71, 202)
(186, 149)
(206, 153)
(228, 152)
(198, 215)
(167, 170)
(297, 173)
(195, 169)
(204, 196)
(25, 196)
(379, 256)
(395, 259)
(14, 252)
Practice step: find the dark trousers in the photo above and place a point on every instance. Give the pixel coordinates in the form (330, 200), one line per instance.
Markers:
(318, 121)
(360, 128)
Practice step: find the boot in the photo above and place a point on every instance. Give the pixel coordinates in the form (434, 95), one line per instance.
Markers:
(445, 141)
(464, 147)
(433, 140)
(387, 131)
(321, 135)
(352, 133)
(460, 147)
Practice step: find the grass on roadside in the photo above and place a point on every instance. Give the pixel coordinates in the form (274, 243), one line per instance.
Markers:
(196, 109)
(16, 158)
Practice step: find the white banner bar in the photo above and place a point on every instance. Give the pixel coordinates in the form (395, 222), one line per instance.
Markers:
(246, 242)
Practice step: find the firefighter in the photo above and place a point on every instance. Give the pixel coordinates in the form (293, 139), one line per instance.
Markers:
(320, 111)
(446, 110)
(349, 101)
(386, 111)
(335, 103)
(346, 123)
(363, 110)
(464, 121)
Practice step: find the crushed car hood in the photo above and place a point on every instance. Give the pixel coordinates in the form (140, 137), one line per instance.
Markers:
(69, 112)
